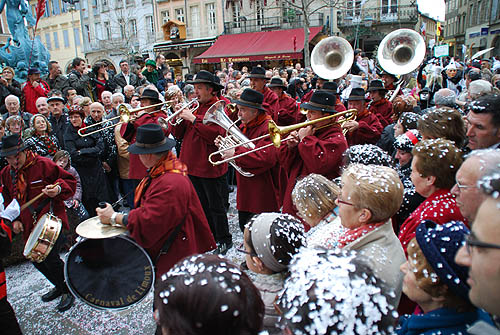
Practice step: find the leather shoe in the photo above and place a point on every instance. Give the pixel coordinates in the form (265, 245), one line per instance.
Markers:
(223, 248)
(51, 295)
(66, 302)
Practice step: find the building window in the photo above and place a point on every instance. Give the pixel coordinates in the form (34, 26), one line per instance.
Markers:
(132, 26)
(195, 17)
(119, 3)
(259, 8)
(179, 14)
(211, 17)
(47, 41)
(123, 33)
(105, 5)
(66, 38)
(56, 40)
(76, 32)
(165, 16)
(56, 9)
(150, 28)
(353, 8)
(47, 10)
(107, 30)
(389, 6)
(236, 14)
(98, 30)
(86, 32)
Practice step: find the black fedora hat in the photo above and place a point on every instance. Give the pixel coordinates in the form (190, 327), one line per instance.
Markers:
(277, 82)
(357, 94)
(258, 72)
(205, 77)
(376, 85)
(321, 101)
(11, 145)
(330, 86)
(150, 139)
(251, 98)
(150, 94)
(385, 73)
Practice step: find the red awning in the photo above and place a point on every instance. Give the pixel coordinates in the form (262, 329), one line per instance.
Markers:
(257, 46)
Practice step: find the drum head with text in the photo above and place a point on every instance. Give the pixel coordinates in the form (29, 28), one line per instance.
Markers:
(111, 273)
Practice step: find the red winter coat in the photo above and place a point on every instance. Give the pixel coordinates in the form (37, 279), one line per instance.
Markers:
(170, 200)
(368, 132)
(32, 93)
(128, 131)
(319, 153)
(307, 96)
(288, 112)
(258, 194)
(383, 110)
(271, 103)
(439, 207)
(42, 173)
(198, 142)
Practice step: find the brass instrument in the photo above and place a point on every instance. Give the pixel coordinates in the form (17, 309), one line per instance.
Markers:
(234, 137)
(189, 105)
(125, 114)
(276, 133)
(400, 53)
(332, 57)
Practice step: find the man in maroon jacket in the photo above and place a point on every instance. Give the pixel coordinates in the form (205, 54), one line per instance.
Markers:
(380, 106)
(26, 176)
(319, 85)
(258, 81)
(34, 89)
(332, 87)
(198, 142)
(168, 220)
(257, 194)
(313, 149)
(366, 129)
(288, 112)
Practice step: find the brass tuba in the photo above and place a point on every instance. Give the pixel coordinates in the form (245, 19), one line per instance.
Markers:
(332, 57)
(234, 137)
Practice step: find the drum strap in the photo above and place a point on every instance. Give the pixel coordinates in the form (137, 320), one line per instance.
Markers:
(40, 206)
(169, 241)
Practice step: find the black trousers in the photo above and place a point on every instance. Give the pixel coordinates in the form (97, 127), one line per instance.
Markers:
(8, 321)
(212, 193)
(243, 218)
(53, 266)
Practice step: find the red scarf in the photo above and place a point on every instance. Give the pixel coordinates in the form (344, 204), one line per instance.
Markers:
(262, 117)
(169, 163)
(363, 113)
(380, 102)
(21, 183)
(352, 235)
(47, 141)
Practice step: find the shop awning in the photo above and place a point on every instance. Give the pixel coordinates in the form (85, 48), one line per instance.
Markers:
(257, 46)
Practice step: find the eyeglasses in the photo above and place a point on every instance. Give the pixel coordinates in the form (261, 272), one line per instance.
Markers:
(463, 187)
(471, 241)
(340, 201)
(242, 250)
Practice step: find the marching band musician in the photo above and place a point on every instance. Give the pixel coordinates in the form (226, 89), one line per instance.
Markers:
(313, 149)
(319, 85)
(380, 106)
(388, 79)
(167, 219)
(366, 129)
(26, 176)
(332, 87)
(128, 130)
(257, 194)
(258, 81)
(288, 112)
(197, 144)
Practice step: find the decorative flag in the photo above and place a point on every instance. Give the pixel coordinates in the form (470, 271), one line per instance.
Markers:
(295, 43)
(422, 28)
(40, 10)
(439, 30)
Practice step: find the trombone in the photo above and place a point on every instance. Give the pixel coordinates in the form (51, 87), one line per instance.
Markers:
(124, 117)
(276, 133)
(191, 105)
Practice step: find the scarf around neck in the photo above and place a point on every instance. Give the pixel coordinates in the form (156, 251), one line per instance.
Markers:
(21, 174)
(261, 118)
(352, 235)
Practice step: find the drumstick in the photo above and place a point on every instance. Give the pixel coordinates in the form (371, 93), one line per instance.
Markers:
(29, 203)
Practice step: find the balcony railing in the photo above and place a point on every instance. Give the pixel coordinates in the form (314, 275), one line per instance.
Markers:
(378, 16)
(244, 25)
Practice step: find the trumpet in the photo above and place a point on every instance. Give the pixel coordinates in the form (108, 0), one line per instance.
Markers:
(276, 133)
(125, 115)
(191, 105)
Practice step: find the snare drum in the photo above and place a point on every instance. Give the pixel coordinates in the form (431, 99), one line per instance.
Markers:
(42, 238)
(110, 273)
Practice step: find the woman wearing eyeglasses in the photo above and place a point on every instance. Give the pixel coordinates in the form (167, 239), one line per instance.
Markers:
(370, 196)
(437, 283)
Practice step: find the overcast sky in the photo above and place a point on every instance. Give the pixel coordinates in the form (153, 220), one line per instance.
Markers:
(435, 8)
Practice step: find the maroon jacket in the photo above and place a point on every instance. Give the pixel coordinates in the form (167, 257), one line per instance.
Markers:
(170, 200)
(271, 103)
(368, 132)
(32, 93)
(307, 96)
(42, 173)
(198, 142)
(319, 153)
(383, 110)
(288, 111)
(137, 170)
(259, 193)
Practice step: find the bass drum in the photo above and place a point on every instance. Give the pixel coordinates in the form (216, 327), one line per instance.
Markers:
(111, 273)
